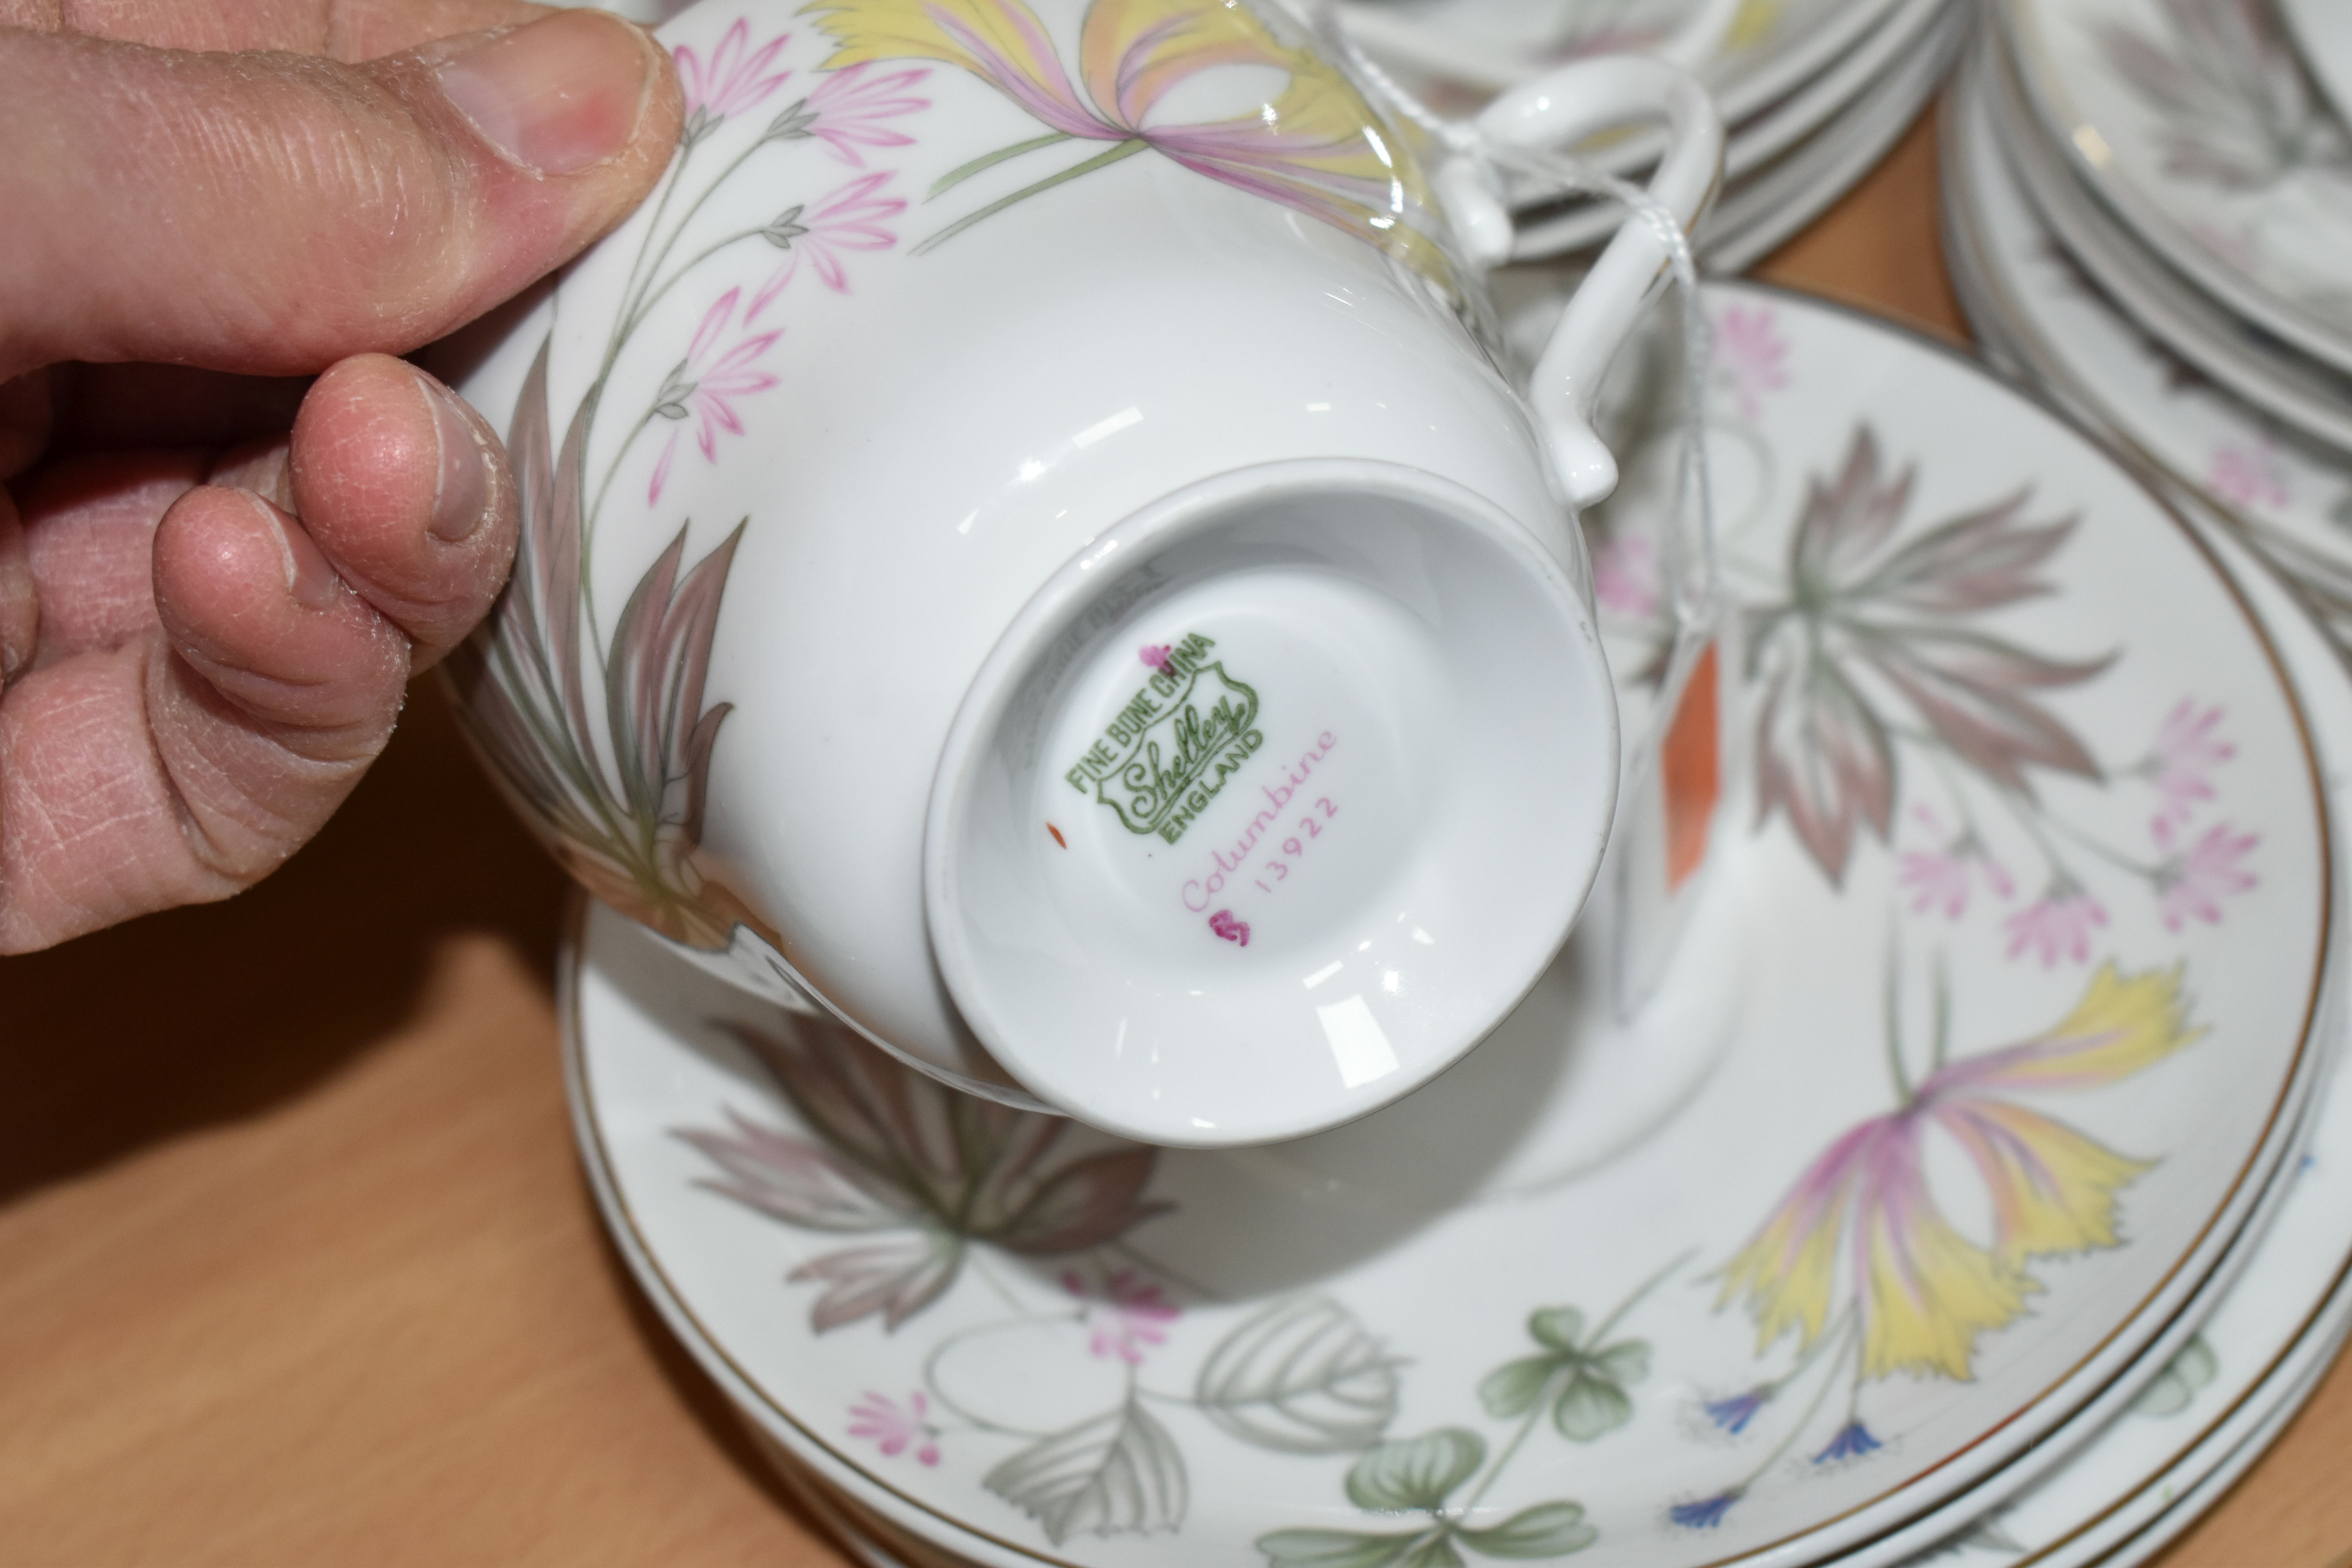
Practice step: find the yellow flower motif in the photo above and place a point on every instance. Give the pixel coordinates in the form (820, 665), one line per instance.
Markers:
(1316, 147)
(1751, 25)
(1922, 1292)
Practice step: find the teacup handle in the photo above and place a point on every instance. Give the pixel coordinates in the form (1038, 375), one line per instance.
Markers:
(1559, 110)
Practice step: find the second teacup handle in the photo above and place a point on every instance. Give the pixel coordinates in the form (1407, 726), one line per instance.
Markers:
(1563, 110)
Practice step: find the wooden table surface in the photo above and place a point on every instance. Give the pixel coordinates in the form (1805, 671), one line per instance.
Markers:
(297, 1266)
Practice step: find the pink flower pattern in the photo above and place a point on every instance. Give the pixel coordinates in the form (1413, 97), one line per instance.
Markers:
(2187, 752)
(708, 383)
(850, 104)
(1625, 576)
(1752, 356)
(1936, 879)
(894, 1427)
(849, 219)
(730, 82)
(2249, 474)
(1126, 1314)
(1316, 146)
(2057, 925)
(1942, 878)
(2195, 882)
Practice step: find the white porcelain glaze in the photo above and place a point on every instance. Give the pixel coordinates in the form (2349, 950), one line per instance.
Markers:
(2314, 396)
(932, 304)
(2323, 33)
(2197, 126)
(1076, 1373)
(2131, 1485)
(1792, 160)
(1751, 54)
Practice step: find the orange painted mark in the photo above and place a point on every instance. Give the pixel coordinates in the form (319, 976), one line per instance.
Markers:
(1692, 769)
(1057, 835)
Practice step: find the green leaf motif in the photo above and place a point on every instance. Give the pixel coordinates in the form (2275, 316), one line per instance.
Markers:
(1514, 1388)
(1559, 1327)
(1626, 1362)
(1437, 1552)
(2176, 1386)
(1302, 1376)
(1415, 1472)
(1331, 1549)
(1590, 1407)
(1118, 1474)
(1546, 1529)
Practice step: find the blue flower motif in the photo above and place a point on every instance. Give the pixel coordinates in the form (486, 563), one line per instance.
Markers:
(1733, 1415)
(1706, 1513)
(1853, 1441)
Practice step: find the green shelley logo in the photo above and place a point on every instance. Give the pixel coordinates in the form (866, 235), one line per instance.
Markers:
(1169, 751)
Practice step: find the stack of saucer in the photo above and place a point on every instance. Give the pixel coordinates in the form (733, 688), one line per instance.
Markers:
(1973, 1186)
(1812, 92)
(2188, 290)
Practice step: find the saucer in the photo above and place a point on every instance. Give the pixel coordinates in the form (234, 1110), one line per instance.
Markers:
(2025, 292)
(2290, 495)
(2198, 126)
(1779, 198)
(1786, 166)
(2126, 1489)
(2314, 396)
(2025, 860)
(2322, 31)
(1461, 51)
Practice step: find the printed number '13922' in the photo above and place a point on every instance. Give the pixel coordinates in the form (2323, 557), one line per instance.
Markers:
(1310, 829)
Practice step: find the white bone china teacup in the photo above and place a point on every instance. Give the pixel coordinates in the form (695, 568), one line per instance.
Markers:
(1028, 547)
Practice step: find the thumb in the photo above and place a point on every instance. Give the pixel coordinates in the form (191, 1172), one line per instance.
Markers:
(271, 213)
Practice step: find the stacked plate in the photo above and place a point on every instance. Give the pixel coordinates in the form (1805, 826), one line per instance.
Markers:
(1974, 1185)
(1813, 92)
(2168, 325)
(2147, 205)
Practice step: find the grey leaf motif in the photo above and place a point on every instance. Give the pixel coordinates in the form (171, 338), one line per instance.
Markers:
(799, 1181)
(1118, 1474)
(1980, 561)
(1824, 758)
(896, 1279)
(1302, 1376)
(1970, 690)
(1871, 624)
(622, 810)
(1546, 1529)
(2236, 109)
(1415, 1473)
(785, 227)
(882, 1148)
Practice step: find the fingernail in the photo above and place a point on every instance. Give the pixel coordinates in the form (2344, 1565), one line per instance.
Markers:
(559, 95)
(259, 466)
(461, 493)
(311, 577)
